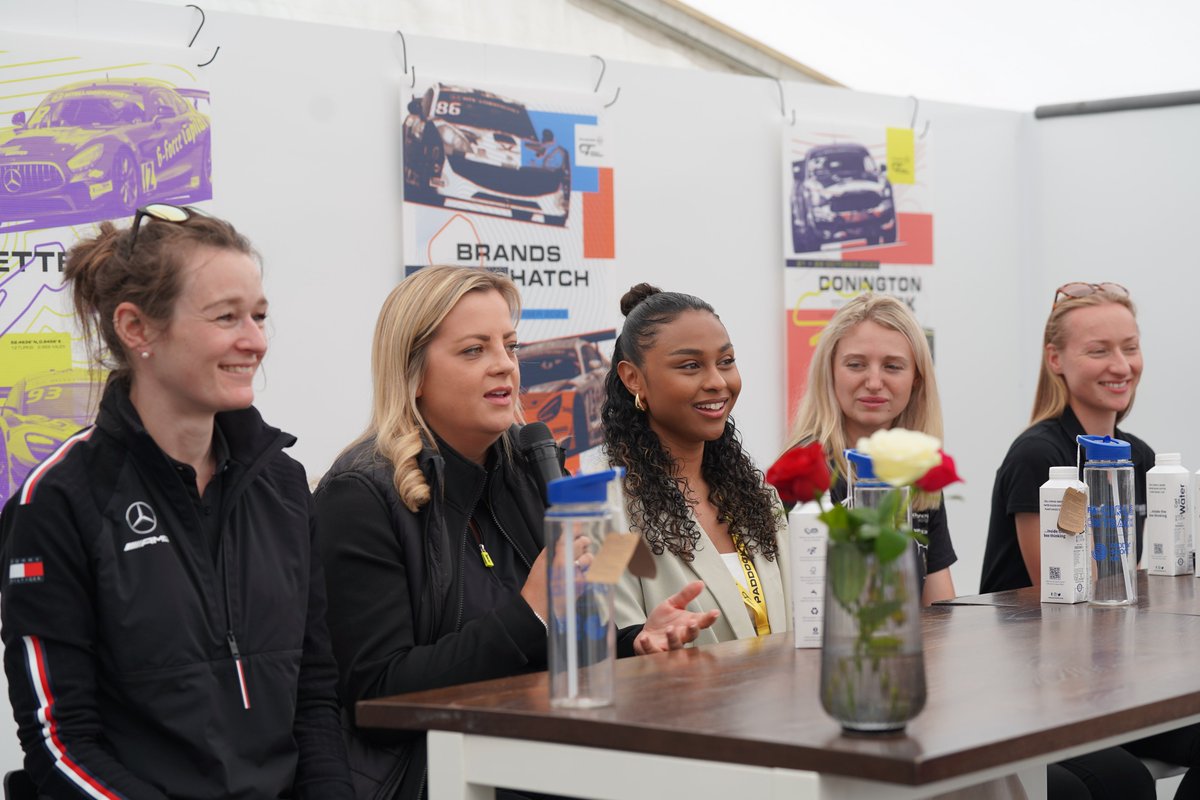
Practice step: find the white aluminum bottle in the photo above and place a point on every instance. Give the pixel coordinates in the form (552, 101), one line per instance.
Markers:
(1168, 534)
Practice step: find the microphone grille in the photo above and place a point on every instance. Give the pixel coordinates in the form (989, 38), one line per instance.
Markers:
(533, 433)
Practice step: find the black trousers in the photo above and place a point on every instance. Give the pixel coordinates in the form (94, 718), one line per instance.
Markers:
(1110, 774)
(1118, 773)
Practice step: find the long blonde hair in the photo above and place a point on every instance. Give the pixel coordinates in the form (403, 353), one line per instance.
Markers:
(408, 321)
(819, 417)
(1052, 396)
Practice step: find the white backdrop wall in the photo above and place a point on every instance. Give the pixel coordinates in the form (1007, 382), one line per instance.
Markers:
(306, 150)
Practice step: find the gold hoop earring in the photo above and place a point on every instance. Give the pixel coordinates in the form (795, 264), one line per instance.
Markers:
(637, 402)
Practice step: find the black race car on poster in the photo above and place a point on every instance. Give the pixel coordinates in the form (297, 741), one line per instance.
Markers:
(97, 149)
(478, 151)
(840, 194)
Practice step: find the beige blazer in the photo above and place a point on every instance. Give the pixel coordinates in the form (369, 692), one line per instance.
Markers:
(637, 596)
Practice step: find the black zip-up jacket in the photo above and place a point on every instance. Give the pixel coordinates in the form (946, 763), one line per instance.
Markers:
(396, 594)
(139, 666)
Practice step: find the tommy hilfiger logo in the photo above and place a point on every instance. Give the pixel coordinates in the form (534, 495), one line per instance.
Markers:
(26, 570)
(140, 518)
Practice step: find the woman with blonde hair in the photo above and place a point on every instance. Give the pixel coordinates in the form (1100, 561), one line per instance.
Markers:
(872, 370)
(431, 523)
(1091, 364)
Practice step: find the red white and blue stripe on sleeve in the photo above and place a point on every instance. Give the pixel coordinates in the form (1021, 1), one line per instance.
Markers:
(39, 676)
(57, 456)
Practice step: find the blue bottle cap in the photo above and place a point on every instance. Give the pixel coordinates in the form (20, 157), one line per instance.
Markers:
(1104, 448)
(864, 469)
(590, 488)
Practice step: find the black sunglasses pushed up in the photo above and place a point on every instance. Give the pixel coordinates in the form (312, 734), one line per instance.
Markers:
(163, 212)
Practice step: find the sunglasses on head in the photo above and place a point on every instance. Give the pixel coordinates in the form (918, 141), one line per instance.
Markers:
(1077, 289)
(163, 212)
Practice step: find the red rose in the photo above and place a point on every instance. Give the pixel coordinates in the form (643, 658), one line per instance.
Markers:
(939, 477)
(800, 474)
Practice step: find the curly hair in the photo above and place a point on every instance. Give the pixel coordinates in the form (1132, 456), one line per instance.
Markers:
(658, 508)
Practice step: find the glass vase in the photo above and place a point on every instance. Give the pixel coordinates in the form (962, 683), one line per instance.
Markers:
(872, 664)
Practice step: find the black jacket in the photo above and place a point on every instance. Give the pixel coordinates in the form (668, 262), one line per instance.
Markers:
(397, 600)
(120, 622)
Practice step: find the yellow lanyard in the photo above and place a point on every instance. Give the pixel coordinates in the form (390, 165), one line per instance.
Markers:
(753, 597)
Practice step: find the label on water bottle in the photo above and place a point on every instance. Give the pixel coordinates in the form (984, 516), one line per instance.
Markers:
(620, 550)
(1072, 515)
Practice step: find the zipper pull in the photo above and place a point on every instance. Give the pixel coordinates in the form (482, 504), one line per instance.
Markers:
(487, 560)
(237, 663)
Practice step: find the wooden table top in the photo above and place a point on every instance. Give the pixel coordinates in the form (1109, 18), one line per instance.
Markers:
(1157, 593)
(1005, 683)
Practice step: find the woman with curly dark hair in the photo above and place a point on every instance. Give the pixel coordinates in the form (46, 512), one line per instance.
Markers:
(690, 489)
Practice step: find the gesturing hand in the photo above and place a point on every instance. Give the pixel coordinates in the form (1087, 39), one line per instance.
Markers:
(670, 625)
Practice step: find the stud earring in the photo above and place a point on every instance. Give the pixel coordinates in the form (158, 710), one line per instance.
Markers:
(145, 354)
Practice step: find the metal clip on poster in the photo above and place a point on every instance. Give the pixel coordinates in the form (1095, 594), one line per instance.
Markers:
(596, 88)
(404, 59)
(197, 33)
(913, 122)
(782, 104)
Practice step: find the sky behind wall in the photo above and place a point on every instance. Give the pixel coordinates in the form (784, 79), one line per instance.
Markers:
(1016, 54)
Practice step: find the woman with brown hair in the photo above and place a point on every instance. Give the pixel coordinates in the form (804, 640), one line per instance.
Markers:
(164, 624)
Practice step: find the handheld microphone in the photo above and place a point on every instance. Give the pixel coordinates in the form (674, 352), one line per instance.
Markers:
(539, 448)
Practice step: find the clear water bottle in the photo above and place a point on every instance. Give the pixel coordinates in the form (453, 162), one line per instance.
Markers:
(582, 646)
(864, 490)
(1112, 526)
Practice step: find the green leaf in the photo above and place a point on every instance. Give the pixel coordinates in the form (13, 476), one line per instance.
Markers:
(892, 507)
(847, 572)
(836, 518)
(889, 544)
(869, 532)
(881, 646)
(874, 615)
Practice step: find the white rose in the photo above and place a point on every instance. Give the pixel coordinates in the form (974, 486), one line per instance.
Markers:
(900, 456)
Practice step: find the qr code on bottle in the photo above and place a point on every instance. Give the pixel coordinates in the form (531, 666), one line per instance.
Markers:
(1056, 573)
(1158, 548)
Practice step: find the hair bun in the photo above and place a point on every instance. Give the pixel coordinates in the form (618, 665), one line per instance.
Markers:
(635, 295)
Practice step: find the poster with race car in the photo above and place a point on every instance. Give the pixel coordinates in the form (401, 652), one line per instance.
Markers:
(520, 180)
(814, 295)
(89, 131)
(856, 195)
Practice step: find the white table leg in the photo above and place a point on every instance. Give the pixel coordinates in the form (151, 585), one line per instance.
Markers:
(1033, 780)
(447, 769)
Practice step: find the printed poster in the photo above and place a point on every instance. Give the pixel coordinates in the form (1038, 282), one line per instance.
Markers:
(858, 217)
(89, 131)
(520, 181)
